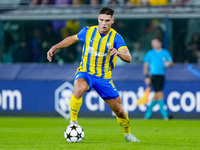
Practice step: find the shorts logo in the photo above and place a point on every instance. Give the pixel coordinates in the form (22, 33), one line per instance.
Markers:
(76, 76)
(62, 99)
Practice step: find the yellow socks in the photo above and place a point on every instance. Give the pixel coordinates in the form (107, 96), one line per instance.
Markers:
(144, 99)
(125, 124)
(75, 105)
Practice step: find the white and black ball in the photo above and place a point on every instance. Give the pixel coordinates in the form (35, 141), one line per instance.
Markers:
(74, 133)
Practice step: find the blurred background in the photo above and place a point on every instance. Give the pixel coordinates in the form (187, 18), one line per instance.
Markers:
(29, 85)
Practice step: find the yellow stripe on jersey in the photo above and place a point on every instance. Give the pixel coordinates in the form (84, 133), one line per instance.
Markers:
(96, 59)
(93, 46)
(99, 60)
(87, 49)
(109, 58)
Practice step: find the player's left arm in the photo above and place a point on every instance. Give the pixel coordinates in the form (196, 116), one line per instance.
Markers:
(120, 49)
(123, 54)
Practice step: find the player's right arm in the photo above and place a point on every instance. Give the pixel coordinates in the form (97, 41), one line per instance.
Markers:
(64, 43)
(147, 79)
(146, 70)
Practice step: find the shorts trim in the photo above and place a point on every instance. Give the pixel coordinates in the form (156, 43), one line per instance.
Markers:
(109, 98)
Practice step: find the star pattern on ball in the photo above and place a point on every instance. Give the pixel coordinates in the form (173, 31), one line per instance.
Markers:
(69, 136)
(74, 133)
(73, 127)
(79, 135)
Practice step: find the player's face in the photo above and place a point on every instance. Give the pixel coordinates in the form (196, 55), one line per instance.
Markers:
(105, 22)
(156, 44)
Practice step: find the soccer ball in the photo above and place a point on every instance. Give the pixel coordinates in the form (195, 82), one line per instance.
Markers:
(74, 133)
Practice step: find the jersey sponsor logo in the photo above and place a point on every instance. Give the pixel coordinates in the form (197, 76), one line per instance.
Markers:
(92, 52)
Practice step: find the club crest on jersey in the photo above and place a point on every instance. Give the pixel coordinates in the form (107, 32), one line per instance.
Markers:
(108, 44)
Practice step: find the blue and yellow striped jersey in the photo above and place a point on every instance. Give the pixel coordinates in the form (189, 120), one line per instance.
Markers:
(96, 58)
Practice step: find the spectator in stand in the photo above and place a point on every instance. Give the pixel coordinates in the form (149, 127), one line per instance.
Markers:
(113, 2)
(67, 28)
(153, 29)
(35, 2)
(62, 2)
(77, 2)
(69, 54)
(36, 45)
(185, 2)
(193, 25)
(46, 2)
(176, 2)
(23, 52)
(179, 46)
(9, 47)
(59, 24)
(193, 49)
(192, 2)
(50, 38)
(158, 2)
(42, 2)
(137, 54)
(137, 2)
(94, 2)
(72, 26)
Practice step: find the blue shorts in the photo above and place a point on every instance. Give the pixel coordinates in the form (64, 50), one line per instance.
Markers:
(104, 87)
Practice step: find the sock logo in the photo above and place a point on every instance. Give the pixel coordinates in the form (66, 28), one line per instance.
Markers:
(74, 110)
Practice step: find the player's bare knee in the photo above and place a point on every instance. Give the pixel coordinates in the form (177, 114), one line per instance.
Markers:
(78, 95)
(120, 113)
(79, 92)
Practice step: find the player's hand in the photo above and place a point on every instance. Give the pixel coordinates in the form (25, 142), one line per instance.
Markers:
(167, 63)
(50, 54)
(113, 51)
(147, 81)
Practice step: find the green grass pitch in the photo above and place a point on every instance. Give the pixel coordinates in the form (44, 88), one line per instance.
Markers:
(100, 134)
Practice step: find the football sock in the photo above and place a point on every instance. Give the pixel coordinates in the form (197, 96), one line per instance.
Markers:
(149, 109)
(75, 105)
(145, 98)
(162, 110)
(125, 124)
(73, 122)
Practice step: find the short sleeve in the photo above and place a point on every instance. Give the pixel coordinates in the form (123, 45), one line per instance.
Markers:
(119, 42)
(82, 34)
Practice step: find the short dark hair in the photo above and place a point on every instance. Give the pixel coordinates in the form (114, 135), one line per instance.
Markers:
(157, 38)
(107, 11)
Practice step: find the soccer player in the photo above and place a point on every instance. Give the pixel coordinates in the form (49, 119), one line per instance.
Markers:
(155, 62)
(102, 45)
